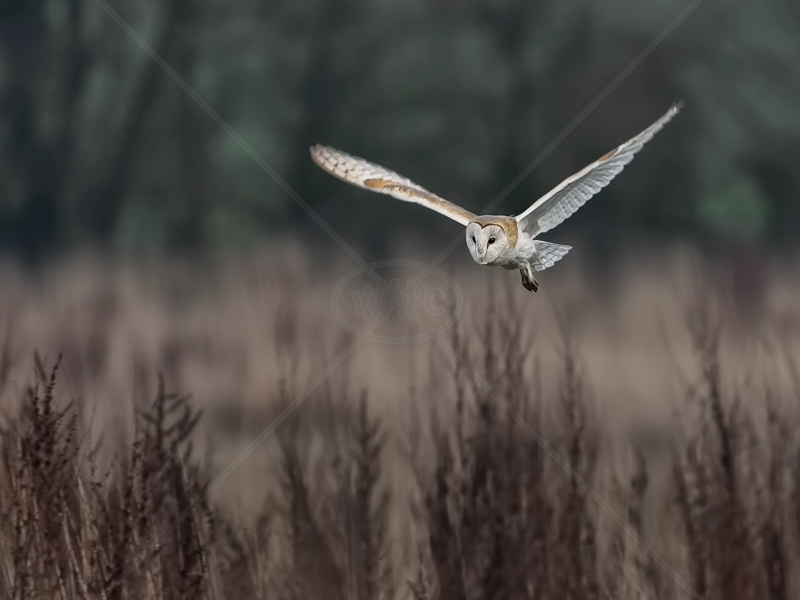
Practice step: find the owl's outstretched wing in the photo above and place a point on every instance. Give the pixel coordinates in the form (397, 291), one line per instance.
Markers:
(562, 201)
(370, 176)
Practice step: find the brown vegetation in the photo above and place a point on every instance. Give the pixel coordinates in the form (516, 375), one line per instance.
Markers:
(501, 477)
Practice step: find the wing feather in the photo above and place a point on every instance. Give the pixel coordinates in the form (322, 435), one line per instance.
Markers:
(370, 176)
(572, 193)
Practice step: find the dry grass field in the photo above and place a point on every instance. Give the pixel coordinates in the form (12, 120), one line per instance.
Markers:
(237, 429)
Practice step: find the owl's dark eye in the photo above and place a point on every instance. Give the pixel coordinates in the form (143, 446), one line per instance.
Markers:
(491, 240)
(473, 239)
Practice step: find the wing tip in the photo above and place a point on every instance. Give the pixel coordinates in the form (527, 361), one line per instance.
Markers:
(322, 155)
(675, 108)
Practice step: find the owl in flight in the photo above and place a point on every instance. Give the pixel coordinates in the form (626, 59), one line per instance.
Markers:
(508, 242)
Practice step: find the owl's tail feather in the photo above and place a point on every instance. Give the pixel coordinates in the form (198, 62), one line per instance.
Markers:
(548, 254)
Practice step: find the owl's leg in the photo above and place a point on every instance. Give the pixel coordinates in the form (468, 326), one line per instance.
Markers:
(528, 280)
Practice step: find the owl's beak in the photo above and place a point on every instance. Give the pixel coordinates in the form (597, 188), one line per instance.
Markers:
(482, 253)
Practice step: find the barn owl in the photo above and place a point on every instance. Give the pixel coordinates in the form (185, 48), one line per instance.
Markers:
(495, 240)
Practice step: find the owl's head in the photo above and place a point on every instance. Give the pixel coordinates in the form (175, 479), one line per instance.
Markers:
(486, 241)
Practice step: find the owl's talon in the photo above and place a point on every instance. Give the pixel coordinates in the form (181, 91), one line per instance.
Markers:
(529, 281)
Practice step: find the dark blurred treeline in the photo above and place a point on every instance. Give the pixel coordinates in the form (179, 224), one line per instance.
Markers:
(98, 145)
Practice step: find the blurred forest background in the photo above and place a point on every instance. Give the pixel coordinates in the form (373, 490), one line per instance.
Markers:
(99, 146)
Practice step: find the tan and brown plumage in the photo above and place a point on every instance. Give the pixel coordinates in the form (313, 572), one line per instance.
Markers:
(496, 240)
(370, 176)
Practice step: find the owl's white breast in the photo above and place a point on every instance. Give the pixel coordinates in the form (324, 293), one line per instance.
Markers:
(522, 251)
